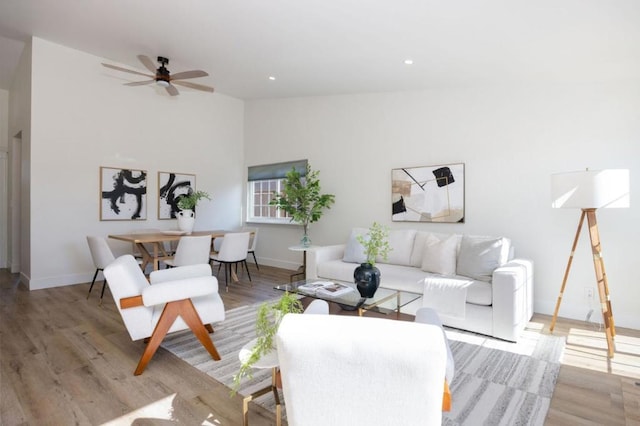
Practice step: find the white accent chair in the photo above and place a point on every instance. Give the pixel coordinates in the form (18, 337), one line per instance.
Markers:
(102, 256)
(177, 299)
(343, 370)
(191, 250)
(233, 250)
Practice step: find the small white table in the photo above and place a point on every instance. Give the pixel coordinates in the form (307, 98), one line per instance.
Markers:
(302, 271)
(269, 360)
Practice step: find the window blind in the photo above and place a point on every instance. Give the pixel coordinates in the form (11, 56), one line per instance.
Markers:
(276, 170)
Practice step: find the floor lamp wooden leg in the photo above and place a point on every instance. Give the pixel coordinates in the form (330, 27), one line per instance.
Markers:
(601, 278)
(566, 272)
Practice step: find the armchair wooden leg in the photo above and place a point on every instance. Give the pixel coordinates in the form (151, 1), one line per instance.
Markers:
(188, 312)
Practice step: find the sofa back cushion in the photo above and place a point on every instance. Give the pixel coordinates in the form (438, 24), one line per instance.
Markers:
(401, 243)
(354, 251)
(420, 241)
(439, 256)
(480, 256)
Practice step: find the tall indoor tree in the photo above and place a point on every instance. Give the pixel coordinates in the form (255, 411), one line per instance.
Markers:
(301, 199)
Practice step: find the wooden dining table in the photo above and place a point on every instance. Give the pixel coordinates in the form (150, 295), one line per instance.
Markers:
(151, 244)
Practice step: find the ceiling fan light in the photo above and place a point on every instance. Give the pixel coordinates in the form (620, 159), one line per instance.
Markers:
(162, 83)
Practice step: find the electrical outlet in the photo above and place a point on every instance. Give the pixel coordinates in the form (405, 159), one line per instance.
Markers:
(588, 293)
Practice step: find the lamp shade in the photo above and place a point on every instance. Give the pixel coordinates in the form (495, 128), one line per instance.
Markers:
(590, 189)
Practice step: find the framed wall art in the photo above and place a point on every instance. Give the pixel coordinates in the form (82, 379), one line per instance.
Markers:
(170, 187)
(123, 194)
(428, 194)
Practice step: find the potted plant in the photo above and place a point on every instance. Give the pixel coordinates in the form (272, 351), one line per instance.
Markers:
(267, 324)
(187, 205)
(302, 201)
(375, 243)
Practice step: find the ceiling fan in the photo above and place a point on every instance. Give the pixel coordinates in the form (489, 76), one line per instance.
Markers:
(162, 77)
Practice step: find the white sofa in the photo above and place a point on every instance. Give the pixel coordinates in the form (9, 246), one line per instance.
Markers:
(499, 292)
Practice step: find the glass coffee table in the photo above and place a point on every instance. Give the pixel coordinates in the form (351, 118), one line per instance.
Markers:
(384, 300)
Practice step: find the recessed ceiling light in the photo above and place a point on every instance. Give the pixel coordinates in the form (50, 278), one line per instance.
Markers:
(271, 78)
(408, 61)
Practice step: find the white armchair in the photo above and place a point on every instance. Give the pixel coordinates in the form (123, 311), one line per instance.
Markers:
(177, 299)
(342, 370)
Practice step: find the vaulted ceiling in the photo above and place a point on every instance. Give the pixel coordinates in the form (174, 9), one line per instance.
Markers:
(322, 47)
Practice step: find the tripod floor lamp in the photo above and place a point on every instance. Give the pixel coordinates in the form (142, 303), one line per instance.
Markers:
(590, 190)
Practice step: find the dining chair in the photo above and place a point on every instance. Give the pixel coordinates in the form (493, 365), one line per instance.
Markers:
(217, 243)
(252, 243)
(191, 250)
(180, 298)
(102, 256)
(233, 250)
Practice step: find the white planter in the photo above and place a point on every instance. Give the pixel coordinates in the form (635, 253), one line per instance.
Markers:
(186, 220)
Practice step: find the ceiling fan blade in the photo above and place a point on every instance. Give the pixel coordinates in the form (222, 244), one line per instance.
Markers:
(193, 85)
(147, 62)
(127, 70)
(188, 74)
(139, 83)
(172, 90)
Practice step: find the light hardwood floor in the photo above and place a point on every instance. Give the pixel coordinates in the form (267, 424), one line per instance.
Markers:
(67, 360)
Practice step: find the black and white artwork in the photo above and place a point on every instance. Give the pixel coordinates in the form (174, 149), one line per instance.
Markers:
(171, 186)
(428, 194)
(123, 194)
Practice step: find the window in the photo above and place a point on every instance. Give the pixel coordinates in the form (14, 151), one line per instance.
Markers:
(264, 182)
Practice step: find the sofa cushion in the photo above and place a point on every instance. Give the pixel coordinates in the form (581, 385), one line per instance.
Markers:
(439, 256)
(354, 251)
(401, 244)
(480, 256)
(421, 239)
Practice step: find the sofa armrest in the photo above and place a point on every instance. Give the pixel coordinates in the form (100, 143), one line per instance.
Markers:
(512, 298)
(317, 255)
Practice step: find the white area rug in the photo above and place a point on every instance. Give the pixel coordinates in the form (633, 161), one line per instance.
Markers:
(496, 382)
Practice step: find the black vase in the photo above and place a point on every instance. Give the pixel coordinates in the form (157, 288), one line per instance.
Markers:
(367, 279)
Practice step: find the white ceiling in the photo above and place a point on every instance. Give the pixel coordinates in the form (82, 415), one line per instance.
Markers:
(320, 47)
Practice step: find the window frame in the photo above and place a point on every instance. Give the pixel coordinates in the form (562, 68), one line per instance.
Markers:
(281, 217)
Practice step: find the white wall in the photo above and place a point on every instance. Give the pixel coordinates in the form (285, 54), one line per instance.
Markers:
(83, 118)
(4, 120)
(4, 169)
(511, 140)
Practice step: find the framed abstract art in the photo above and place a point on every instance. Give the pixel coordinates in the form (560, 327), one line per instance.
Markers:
(123, 194)
(170, 187)
(428, 194)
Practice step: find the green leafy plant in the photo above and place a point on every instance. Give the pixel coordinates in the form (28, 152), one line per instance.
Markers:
(267, 324)
(190, 200)
(375, 242)
(301, 198)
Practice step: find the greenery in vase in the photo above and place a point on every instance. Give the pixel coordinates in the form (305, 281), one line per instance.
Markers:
(375, 242)
(267, 323)
(301, 198)
(189, 201)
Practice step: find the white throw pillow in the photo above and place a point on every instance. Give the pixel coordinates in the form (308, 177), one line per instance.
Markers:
(480, 256)
(400, 244)
(354, 251)
(439, 256)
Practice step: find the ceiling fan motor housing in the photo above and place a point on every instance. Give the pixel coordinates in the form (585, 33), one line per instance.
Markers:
(162, 73)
